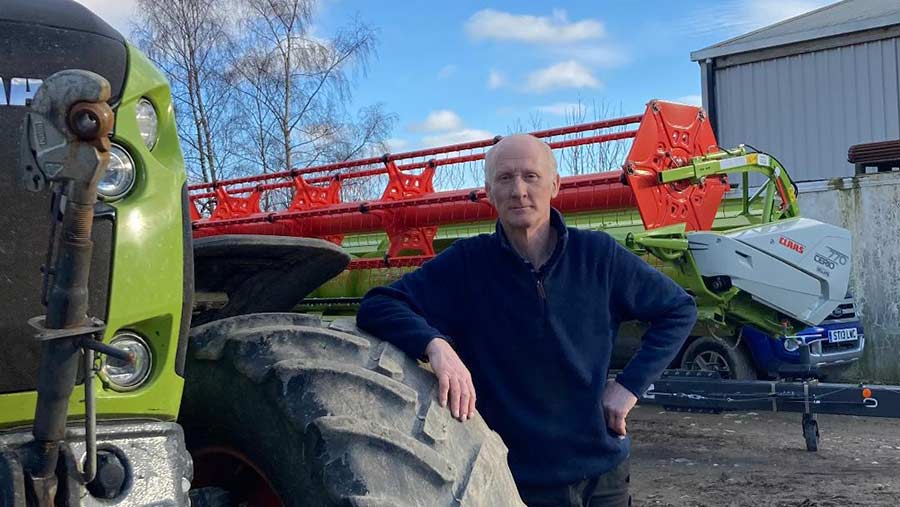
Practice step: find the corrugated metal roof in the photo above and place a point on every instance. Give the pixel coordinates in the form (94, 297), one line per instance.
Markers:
(837, 19)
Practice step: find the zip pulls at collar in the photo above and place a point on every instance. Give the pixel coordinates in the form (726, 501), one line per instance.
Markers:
(562, 238)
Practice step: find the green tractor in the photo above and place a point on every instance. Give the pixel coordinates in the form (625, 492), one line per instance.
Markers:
(109, 396)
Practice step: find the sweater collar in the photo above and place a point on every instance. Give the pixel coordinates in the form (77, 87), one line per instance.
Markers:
(562, 237)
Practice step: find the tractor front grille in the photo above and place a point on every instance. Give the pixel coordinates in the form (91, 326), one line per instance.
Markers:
(36, 40)
(21, 283)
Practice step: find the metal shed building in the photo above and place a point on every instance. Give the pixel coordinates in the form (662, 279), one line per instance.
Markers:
(807, 88)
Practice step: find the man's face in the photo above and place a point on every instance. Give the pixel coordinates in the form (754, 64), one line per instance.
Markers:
(522, 183)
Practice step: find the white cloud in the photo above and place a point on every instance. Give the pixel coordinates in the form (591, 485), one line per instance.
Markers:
(446, 71)
(601, 56)
(554, 29)
(694, 100)
(440, 120)
(444, 126)
(455, 137)
(562, 108)
(118, 13)
(396, 145)
(495, 80)
(570, 74)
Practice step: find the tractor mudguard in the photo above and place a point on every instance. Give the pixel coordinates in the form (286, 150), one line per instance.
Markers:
(262, 273)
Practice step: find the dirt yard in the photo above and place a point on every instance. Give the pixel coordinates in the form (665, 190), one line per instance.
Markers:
(760, 459)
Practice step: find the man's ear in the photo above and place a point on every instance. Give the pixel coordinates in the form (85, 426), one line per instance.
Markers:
(487, 190)
(556, 183)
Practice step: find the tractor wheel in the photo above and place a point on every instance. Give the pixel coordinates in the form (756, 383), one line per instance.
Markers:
(709, 354)
(282, 409)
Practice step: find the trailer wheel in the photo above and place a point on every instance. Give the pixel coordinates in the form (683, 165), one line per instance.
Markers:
(321, 414)
(811, 432)
(710, 354)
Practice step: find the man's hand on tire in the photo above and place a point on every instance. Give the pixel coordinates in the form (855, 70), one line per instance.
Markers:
(454, 380)
(617, 402)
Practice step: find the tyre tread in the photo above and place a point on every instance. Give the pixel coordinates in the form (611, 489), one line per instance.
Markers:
(317, 370)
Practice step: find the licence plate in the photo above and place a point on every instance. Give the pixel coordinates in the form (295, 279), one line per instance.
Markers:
(842, 335)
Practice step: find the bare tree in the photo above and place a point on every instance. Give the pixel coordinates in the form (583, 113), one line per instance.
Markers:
(187, 39)
(594, 157)
(256, 91)
(587, 158)
(535, 122)
(251, 77)
(301, 83)
(294, 87)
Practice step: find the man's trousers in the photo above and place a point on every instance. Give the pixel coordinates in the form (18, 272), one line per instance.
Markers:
(609, 489)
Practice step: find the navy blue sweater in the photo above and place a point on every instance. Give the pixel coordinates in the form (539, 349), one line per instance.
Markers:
(538, 342)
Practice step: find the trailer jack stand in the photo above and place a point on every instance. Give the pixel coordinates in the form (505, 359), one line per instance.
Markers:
(811, 432)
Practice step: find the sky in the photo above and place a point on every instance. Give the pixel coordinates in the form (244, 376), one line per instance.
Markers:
(465, 70)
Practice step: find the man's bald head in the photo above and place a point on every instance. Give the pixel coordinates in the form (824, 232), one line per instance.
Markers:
(521, 180)
(518, 146)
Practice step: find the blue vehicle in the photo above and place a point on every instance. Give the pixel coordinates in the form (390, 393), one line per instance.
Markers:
(753, 354)
(837, 341)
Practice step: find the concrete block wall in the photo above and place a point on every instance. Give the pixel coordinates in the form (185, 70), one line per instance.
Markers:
(869, 206)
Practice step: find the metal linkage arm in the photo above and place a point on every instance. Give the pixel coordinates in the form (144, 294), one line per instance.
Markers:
(740, 161)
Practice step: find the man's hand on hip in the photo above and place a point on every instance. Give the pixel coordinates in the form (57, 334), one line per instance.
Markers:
(617, 402)
(454, 380)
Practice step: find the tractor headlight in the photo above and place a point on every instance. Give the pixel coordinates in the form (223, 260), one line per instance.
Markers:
(119, 176)
(124, 376)
(147, 122)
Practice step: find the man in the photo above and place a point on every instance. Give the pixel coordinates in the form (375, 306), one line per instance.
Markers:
(529, 315)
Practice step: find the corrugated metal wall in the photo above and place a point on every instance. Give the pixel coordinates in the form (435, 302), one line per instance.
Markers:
(808, 109)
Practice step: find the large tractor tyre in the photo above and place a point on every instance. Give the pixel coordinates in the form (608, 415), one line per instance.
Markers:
(710, 354)
(283, 409)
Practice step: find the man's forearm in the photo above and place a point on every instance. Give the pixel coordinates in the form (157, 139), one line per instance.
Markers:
(413, 310)
(659, 346)
(392, 319)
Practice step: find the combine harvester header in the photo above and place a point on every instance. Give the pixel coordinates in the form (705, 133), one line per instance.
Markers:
(675, 175)
(667, 136)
